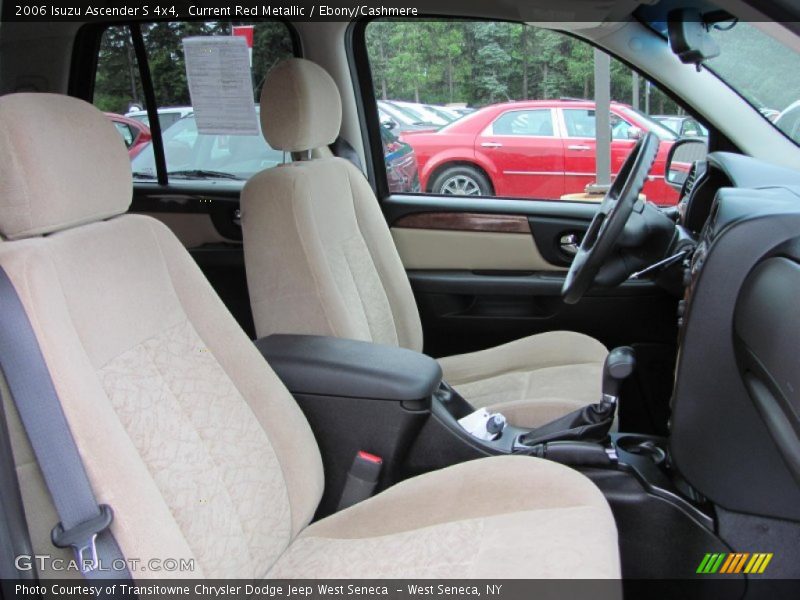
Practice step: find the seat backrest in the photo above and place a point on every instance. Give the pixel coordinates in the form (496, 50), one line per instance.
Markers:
(319, 255)
(184, 429)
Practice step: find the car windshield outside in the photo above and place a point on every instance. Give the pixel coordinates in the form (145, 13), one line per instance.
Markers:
(663, 133)
(194, 155)
(762, 69)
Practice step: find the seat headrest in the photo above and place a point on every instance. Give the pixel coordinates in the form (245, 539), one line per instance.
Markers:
(300, 106)
(63, 164)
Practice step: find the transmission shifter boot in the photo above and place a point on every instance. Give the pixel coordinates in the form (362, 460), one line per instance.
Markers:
(591, 422)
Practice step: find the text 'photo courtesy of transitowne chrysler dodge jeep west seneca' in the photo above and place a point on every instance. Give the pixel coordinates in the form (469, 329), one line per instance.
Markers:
(440, 299)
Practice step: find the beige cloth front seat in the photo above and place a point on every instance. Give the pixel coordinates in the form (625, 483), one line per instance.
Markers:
(189, 435)
(321, 260)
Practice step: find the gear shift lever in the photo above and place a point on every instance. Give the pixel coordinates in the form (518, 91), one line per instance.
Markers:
(619, 365)
(591, 422)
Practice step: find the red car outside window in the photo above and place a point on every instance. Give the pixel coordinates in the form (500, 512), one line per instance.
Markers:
(542, 149)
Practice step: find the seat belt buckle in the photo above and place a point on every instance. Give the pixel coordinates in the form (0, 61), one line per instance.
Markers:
(82, 538)
(362, 478)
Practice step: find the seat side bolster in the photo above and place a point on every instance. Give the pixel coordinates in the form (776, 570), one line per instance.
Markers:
(379, 241)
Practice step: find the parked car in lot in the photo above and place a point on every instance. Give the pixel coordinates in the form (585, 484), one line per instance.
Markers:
(167, 116)
(135, 134)
(422, 113)
(683, 125)
(401, 163)
(193, 155)
(448, 114)
(533, 149)
(401, 119)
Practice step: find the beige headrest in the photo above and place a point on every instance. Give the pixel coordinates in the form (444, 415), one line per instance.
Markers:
(300, 106)
(63, 164)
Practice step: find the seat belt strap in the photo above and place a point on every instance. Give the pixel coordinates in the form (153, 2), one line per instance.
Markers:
(84, 524)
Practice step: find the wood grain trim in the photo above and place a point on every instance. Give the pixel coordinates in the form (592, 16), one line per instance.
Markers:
(465, 222)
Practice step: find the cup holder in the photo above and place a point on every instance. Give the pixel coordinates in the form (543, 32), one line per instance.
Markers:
(644, 447)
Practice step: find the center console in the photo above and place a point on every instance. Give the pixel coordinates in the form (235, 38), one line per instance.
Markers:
(357, 397)
(392, 405)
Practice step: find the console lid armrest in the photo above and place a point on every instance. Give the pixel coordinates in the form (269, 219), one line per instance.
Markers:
(328, 366)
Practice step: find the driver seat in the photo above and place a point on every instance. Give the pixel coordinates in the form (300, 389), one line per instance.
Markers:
(321, 260)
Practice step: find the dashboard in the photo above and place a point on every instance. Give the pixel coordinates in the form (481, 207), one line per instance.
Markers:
(726, 170)
(737, 386)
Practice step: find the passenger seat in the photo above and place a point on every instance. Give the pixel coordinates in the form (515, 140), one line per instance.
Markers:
(186, 431)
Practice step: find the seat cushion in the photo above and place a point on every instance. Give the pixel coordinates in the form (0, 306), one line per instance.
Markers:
(462, 522)
(532, 381)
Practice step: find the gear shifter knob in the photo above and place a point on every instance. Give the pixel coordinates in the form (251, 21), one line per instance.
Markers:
(619, 365)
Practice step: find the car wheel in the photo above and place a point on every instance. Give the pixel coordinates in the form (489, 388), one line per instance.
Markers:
(461, 181)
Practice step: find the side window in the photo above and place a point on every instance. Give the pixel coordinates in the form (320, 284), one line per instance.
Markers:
(580, 123)
(621, 129)
(189, 154)
(525, 122)
(440, 85)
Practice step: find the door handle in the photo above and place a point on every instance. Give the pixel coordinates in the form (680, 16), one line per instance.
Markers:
(580, 147)
(569, 244)
(492, 145)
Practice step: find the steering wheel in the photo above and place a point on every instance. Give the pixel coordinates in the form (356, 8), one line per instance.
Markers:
(607, 225)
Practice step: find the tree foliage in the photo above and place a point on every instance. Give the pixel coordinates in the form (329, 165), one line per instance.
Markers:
(118, 84)
(481, 62)
(437, 62)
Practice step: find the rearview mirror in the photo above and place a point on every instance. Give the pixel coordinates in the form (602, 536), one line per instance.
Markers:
(680, 159)
(689, 38)
(635, 133)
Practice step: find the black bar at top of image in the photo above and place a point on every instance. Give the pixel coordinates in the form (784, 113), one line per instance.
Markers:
(313, 10)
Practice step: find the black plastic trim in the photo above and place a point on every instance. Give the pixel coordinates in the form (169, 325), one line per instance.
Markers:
(151, 103)
(328, 366)
(719, 441)
(513, 283)
(767, 328)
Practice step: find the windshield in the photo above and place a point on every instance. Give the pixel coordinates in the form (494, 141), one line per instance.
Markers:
(190, 154)
(416, 116)
(762, 70)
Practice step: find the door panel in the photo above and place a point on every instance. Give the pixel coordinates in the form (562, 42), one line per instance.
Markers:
(468, 250)
(192, 229)
(472, 295)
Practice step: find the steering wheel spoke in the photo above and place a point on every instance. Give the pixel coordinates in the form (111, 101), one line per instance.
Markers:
(602, 237)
